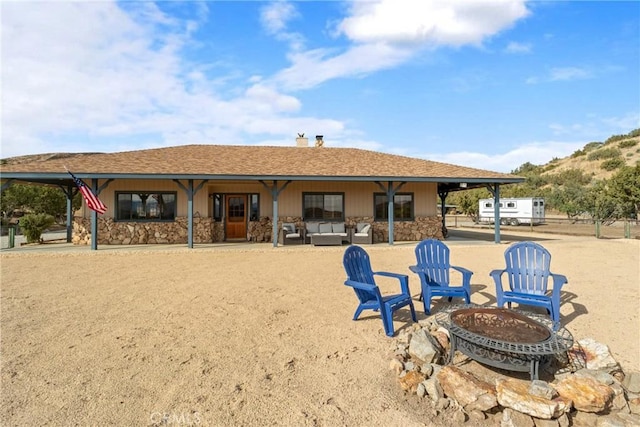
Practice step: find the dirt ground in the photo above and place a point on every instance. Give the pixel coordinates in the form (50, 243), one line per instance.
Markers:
(251, 335)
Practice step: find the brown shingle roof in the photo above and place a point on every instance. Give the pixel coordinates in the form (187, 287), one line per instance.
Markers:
(252, 161)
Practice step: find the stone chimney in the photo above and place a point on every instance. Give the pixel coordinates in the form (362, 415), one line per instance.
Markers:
(301, 141)
(319, 141)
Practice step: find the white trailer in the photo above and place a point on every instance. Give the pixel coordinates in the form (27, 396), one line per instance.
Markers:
(513, 211)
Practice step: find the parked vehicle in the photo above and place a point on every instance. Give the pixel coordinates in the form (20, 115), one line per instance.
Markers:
(513, 211)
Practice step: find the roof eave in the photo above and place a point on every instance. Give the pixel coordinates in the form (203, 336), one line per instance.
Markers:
(52, 177)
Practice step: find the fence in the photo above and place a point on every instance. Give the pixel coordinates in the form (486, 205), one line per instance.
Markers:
(623, 229)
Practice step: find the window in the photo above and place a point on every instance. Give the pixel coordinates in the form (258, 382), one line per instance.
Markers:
(254, 207)
(511, 204)
(488, 205)
(218, 207)
(402, 207)
(146, 206)
(323, 206)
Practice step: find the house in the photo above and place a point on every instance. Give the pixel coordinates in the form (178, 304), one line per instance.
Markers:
(214, 193)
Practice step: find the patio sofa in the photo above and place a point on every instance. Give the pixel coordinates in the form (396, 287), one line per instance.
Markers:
(326, 233)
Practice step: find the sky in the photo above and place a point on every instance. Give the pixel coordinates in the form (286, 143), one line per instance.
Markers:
(490, 84)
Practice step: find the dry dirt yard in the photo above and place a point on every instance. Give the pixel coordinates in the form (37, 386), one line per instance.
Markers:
(250, 335)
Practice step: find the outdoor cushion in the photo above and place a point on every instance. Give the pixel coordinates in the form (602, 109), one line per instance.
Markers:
(362, 227)
(338, 227)
(290, 227)
(325, 227)
(313, 227)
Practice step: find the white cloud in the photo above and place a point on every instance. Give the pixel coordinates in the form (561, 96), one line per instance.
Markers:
(537, 153)
(624, 124)
(569, 73)
(430, 22)
(314, 67)
(515, 47)
(276, 15)
(275, 18)
(558, 74)
(599, 127)
(116, 79)
(387, 33)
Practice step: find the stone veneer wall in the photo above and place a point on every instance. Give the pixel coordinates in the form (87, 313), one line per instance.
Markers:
(419, 229)
(111, 232)
(206, 230)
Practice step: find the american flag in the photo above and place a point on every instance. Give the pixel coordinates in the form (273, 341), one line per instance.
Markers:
(92, 200)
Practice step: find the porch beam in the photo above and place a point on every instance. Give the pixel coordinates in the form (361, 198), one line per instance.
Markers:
(443, 209)
(275, 193)
(495, 191)
(190, 191)
(70, 191)
(391, 192)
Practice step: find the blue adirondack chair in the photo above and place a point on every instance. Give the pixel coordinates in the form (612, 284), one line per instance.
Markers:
(528, 270)
(434, 270)
(361, 278)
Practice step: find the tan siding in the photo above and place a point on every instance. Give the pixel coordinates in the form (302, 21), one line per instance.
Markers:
(425, 196)
(358, 195)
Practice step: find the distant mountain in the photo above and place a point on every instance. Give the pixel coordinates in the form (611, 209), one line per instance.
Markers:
(601, 160)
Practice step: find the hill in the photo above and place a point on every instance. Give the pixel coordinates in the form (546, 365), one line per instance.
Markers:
(30, 158)
(600, 160)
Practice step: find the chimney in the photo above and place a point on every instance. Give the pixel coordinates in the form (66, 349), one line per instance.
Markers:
(301, 141)
(319, 141)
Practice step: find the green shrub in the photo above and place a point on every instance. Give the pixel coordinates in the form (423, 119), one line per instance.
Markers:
(635, 132)
(578, 153)
(612, 164)
(592, 146)
(33, 225)
(615, 138)
(628, 143)
(604, 153)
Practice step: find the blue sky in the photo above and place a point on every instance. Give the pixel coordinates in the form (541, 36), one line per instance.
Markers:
(487, 84)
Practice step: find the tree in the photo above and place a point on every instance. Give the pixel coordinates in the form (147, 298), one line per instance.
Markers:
(570, 176)
(624, 188)
(36, 199)
(569, 199)
(600, 205)
(467, 201)
(17, 197)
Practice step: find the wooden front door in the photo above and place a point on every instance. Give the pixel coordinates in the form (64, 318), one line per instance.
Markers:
(236, 223)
